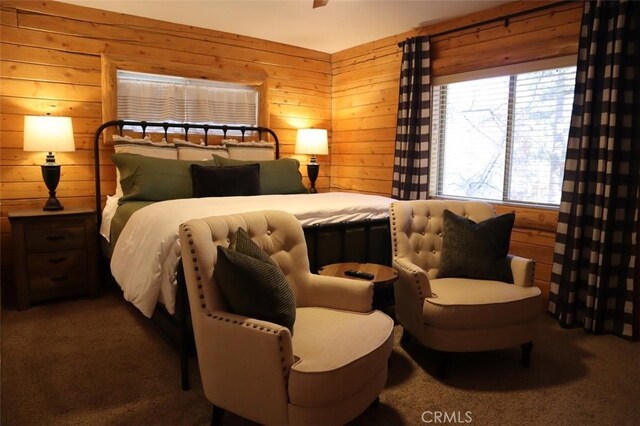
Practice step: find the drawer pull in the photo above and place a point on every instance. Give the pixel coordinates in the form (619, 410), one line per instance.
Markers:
(57, 259)
(56, 237)
(62, 278)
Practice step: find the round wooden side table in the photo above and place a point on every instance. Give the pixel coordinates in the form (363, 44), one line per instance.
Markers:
(383, 279)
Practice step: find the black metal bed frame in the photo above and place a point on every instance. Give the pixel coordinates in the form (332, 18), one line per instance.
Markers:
(144, 125)
(362, 241)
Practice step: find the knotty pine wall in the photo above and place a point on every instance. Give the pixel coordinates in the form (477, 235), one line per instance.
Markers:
(365, 98)
(51, 62)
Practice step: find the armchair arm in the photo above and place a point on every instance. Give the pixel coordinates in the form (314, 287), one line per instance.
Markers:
(523, 270)
(233, 351)
(410, 291)
(337, 293)
(414, 277)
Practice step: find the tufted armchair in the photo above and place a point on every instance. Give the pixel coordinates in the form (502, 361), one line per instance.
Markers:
(329, 372)
(457, 314)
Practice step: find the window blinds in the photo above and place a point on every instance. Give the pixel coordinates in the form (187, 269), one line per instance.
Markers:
(150, 97)
(502, 138)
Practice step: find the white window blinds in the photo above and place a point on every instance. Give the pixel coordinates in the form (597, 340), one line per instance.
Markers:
(151, 97)
(502, 138)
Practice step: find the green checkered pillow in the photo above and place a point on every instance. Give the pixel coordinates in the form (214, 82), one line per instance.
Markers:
(252, 284)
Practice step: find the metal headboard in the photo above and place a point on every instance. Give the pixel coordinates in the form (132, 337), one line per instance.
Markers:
(144, 125)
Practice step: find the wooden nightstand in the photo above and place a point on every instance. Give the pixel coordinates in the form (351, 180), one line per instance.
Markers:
(55, 254)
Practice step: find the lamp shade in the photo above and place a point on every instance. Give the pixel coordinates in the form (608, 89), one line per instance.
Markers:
(48, 133)
(312, 141)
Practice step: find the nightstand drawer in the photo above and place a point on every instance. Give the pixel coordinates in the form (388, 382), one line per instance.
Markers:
(65, 283)
(55, 263)
(55, 239)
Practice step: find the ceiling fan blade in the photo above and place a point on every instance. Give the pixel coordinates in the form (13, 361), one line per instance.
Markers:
(319, 3)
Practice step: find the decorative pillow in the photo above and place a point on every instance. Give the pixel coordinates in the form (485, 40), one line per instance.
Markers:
(178, 140)
(146, 147)
(252, 284)
(216, 181)
(476, 250)
(154, 179)
(276, 176)
(193, 152)
(254, 151)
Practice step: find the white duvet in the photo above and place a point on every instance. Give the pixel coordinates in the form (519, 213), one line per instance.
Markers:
(147, 252)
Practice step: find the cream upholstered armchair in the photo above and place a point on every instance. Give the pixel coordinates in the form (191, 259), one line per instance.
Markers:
(331, 369)
(457, 314)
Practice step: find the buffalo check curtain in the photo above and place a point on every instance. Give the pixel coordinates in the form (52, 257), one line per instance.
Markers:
(411, 157)
(594, 279)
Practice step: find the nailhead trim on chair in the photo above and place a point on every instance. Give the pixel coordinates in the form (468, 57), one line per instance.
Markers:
(416, 280)
(533, 274)
(285, 370)
(203, 305)
(394, 230)
(395, 252)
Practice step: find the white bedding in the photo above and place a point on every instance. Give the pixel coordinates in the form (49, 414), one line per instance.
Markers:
(147, 252)
(107, 216)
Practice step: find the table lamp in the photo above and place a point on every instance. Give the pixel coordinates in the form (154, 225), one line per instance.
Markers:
(314, 142)
(49, 134)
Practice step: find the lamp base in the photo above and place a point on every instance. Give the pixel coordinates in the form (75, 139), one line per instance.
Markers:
(52, 204)
(51, 177)
(312, 172)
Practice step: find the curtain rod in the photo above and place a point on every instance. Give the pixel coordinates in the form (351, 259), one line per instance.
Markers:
(504, 18)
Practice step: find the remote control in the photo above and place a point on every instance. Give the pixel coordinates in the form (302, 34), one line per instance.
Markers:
(359, 274)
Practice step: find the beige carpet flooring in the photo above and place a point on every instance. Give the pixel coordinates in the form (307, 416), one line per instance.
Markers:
(99, 362)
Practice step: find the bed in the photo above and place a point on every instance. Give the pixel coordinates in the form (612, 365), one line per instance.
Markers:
(139, 225)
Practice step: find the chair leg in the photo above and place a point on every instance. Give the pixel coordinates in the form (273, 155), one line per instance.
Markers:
(526, 354)
(443, 365)
(184, 370)
(406, 337)
(216, 415)
(376, 402)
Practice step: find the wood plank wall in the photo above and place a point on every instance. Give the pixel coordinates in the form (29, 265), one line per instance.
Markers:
(51, 62)
(365, 98)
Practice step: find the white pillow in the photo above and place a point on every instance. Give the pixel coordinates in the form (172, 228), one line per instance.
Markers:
(146, 147)
(252, 151)
(192, 152)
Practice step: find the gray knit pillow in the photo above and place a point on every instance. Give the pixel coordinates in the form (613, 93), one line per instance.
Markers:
(252, 284)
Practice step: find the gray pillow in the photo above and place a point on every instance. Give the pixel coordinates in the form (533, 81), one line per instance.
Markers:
(252, 284)
(476, 250)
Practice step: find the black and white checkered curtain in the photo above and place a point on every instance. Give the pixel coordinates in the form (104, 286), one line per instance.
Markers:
(411, 161)
(594, 282)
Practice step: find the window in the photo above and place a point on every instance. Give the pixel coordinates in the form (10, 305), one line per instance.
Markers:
(502, 138)
(152, 97)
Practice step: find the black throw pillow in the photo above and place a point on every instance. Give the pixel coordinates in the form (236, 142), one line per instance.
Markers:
(216, 181)
(476, 250)
(252, 284)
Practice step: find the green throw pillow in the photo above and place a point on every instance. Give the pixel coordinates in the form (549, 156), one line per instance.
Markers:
(276, 176)
(252, 284)
(476, 250)
(154, 179)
